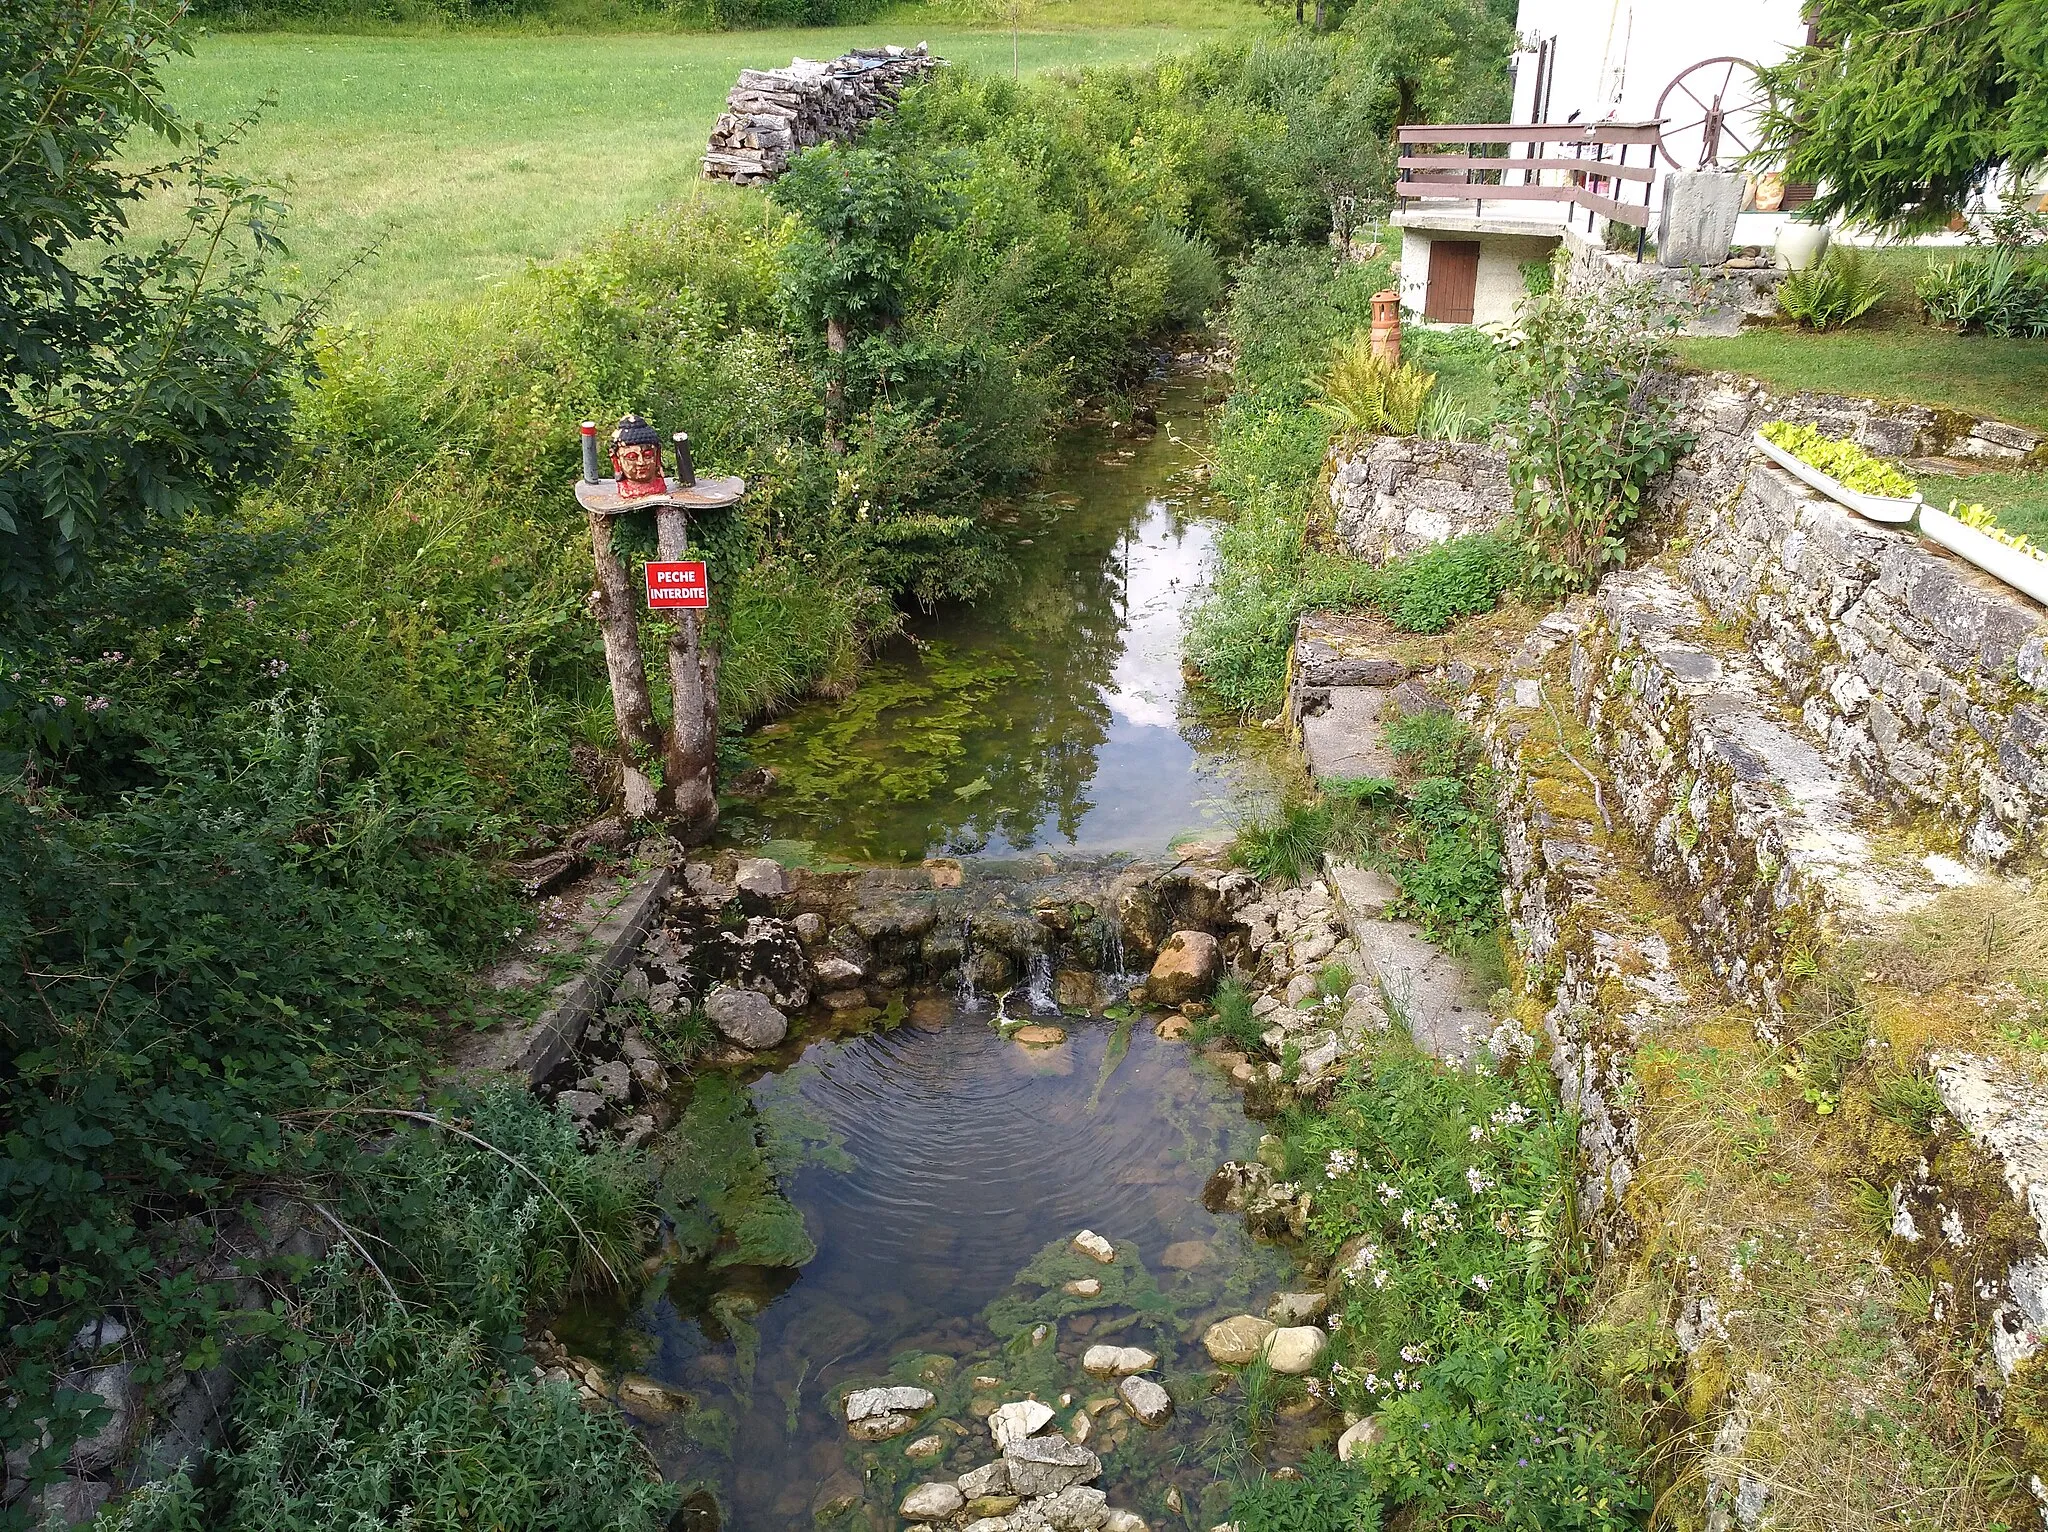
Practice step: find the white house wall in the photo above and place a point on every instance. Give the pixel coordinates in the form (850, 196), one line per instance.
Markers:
(1613, 58)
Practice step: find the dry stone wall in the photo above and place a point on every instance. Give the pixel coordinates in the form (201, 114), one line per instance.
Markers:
(1397, 495)
(773, 115)
(1925, 679)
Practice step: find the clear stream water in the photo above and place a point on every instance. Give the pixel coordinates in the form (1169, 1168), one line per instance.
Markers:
(1051, 715)
(938, 1160)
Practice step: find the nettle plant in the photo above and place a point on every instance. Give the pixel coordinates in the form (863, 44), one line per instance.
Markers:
(1589, 431)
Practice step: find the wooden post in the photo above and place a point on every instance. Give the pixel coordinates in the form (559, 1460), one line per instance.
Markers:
(690, 753)
(640, 741)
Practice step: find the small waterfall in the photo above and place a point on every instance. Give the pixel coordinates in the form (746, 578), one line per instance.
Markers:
(1040, 992)
(1119, 959)
(968, 997)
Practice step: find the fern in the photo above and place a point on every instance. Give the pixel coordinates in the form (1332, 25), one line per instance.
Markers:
(1836, 290)
(1363, 392)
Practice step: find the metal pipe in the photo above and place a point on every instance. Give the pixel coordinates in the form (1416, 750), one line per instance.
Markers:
(589, 452)
(686, 472)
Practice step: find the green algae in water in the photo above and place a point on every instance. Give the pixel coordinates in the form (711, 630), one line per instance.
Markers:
(720, 1181)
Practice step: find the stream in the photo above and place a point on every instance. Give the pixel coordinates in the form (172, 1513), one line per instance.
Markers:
(939, 1168)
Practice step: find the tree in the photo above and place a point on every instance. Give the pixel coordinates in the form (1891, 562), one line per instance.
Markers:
(1434, 60)
(137, 384)
(1901, 108)
(859, 211)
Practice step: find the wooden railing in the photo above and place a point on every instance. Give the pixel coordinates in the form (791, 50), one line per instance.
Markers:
(1489, 167)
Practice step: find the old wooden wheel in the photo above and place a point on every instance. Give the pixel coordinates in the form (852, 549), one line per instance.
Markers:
(1710, 115)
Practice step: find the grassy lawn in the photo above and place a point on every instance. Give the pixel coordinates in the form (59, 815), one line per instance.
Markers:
(1891, 354)
(2018, 500)
(461, 156)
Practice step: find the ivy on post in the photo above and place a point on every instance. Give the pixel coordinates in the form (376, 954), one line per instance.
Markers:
(667, 775)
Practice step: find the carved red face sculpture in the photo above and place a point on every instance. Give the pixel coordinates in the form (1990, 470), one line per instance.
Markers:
(638, 466)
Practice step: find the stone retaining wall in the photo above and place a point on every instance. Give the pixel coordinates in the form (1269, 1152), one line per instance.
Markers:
(1397, 495)
(1923, 677)
(773, 115)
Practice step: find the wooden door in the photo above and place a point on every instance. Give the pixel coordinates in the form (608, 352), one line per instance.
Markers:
(1453, 280)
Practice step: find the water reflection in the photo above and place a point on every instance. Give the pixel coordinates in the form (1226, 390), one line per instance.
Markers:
(1052, 714)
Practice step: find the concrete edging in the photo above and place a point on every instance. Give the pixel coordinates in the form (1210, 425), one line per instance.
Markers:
(533, 1050)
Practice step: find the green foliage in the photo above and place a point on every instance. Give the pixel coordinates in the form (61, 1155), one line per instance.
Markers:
(1363, 392)
(1996, 292)
(1445, 852)
(1231, 1019)
(1841, 460)
(423, 1411)
(1325, 1496)
(1589, 435)
(1835, 290)
(1432, 60)
(1440, 841)
(1430, 590)
(1450, 1192)
(143, 383)
(1899, 111)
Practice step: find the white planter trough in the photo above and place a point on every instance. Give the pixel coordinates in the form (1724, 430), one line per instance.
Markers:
(1885, 508)
(2022, 571)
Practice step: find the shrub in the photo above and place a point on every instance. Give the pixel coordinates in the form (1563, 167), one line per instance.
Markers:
(1363, 392)
(1590, 434)
(1840, 460)
(1997, 291)
(1431, 590)
(1834, 291)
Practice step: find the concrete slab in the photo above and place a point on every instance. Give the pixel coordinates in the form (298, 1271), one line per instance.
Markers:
(1424, 985)
(1340, 732)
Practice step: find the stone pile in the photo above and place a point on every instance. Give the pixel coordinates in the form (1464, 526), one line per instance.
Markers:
(773, 115)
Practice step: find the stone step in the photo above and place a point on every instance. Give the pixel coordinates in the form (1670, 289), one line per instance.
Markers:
(1776, 853)
(1419, 983)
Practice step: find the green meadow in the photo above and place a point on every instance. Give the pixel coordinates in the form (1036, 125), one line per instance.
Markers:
(425, 167)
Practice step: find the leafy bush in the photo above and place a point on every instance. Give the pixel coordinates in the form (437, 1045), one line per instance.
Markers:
(1998, 291)
(1363, 392)
(1841, 460)
(1590, 435)
(1429, 591)
(421, 1410)
(1324, 1496)
(1834, 291)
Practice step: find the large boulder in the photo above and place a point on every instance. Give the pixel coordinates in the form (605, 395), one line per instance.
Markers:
(1077, 1508)
(761, 880)
(877, 1414)
(1117, 1361)
(1012, 1423)
(1045, 1465)
(1187, 968)
(746, 1018)
(1357, 1438)
(1145, 1399)
(931, 1502)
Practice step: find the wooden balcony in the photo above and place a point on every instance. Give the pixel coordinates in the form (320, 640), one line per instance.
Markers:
(1583, 166)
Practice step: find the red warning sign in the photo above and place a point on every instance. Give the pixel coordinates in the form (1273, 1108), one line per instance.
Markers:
(678, 583)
